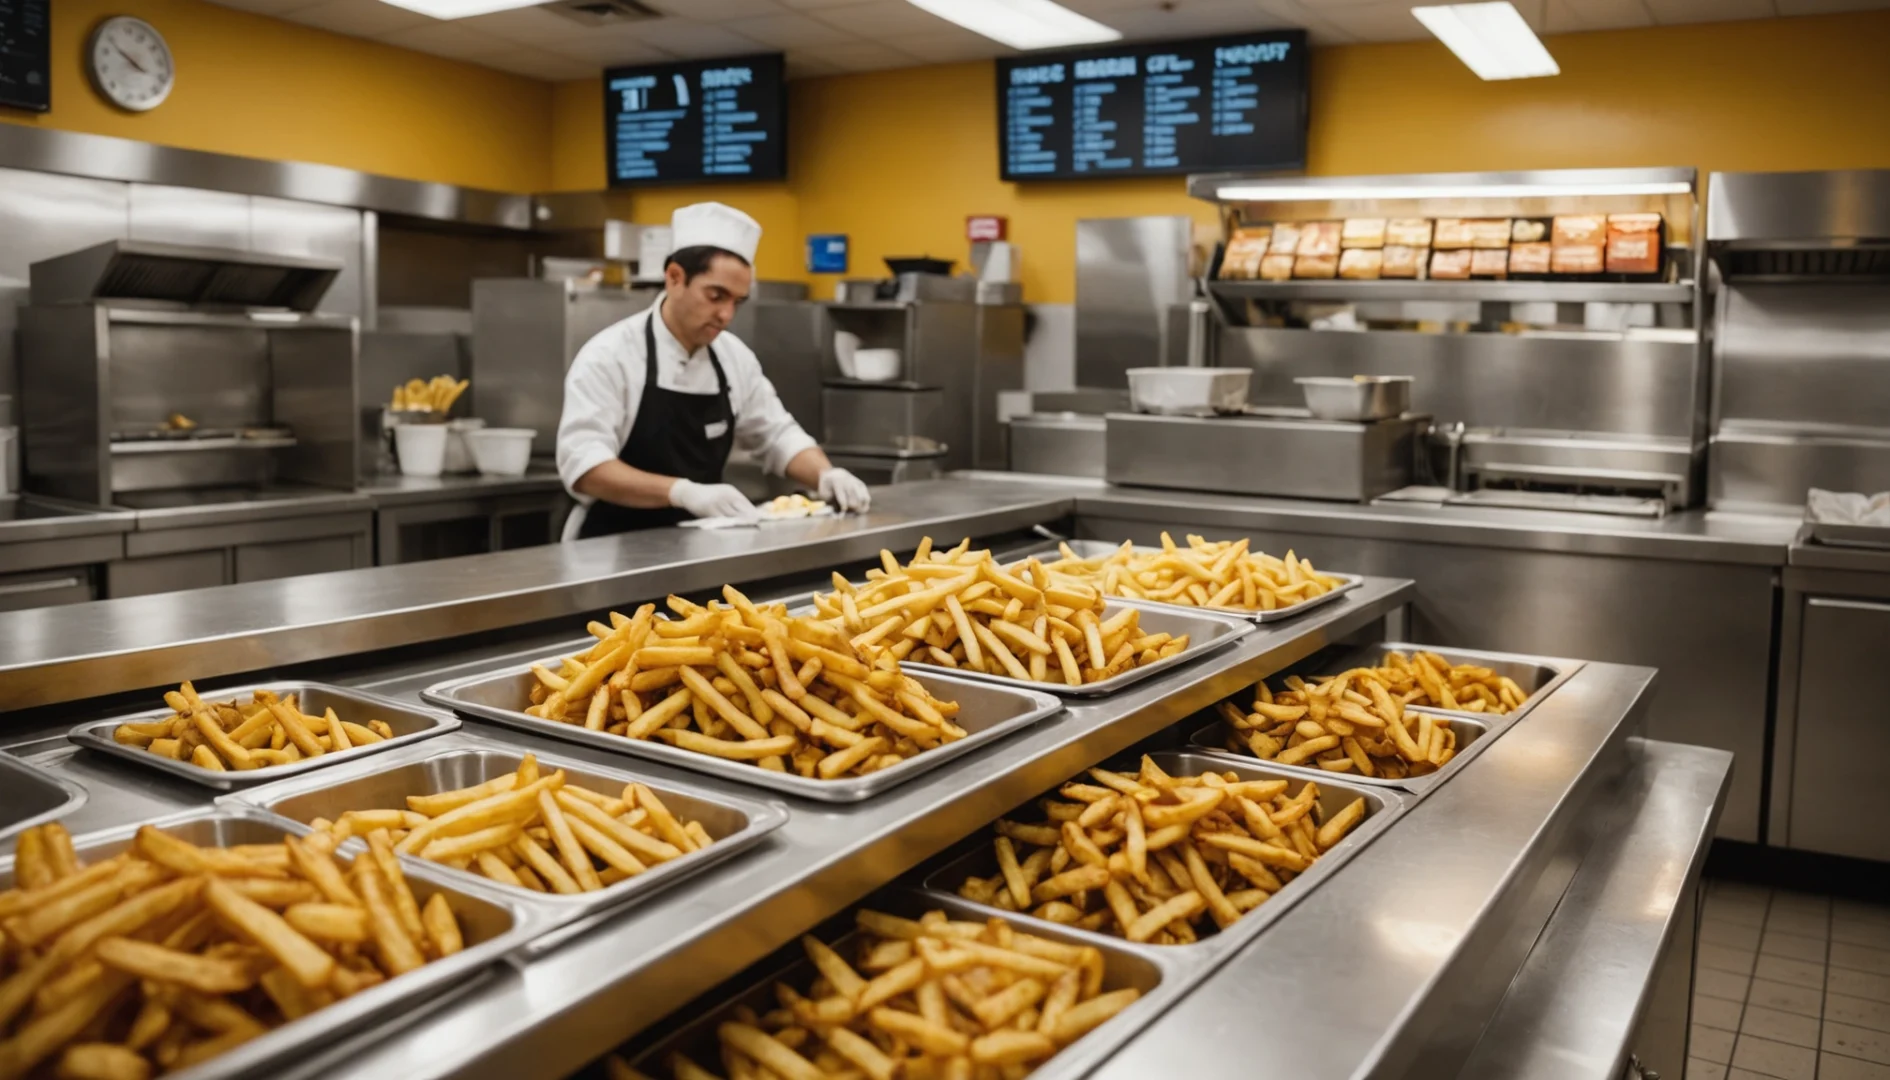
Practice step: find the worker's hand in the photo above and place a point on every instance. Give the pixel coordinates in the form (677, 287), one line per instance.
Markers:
(711, 500)
(846, 491)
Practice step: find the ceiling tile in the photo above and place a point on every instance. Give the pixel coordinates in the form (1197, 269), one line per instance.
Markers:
(791, 31)
(1534, 12)
(612, 45)
(534, 26)
(1378, 22)
(883, 18)
(950, 47)
(362, 18)
(1185, 19)
(807, 66)
(1669, 12)
(693, 40)
(1571, 16)
(866, 56)
(817, 5)
(543, 64)
(449, 39)
(1829, 7)
(716, 11)
(265, 7)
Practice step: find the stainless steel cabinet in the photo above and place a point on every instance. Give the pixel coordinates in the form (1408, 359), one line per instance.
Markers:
(1839, 801)
(45, 588)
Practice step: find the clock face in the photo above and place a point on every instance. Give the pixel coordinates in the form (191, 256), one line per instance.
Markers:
(130, 64)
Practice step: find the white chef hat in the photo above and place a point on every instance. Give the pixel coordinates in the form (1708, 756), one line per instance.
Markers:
(712, 224)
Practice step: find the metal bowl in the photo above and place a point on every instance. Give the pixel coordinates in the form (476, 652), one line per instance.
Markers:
(1359, 398)
(1185, 391)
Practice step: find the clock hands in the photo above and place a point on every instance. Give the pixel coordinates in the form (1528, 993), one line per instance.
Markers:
(142, 70)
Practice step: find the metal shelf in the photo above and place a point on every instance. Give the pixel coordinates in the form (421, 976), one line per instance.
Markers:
(172, 446)
(1513, 292)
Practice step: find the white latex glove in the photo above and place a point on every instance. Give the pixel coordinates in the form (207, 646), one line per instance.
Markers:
(847, 492)
(711, 500)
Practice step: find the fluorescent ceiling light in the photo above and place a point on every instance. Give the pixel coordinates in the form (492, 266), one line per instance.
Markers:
(1022, 24)
(1359, 192)
(1491, 39)
(461, 9)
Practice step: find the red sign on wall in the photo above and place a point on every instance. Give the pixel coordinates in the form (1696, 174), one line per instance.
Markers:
(987, 227)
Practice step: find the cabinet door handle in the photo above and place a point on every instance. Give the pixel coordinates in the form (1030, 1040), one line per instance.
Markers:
(1854, 605)
(45, 585)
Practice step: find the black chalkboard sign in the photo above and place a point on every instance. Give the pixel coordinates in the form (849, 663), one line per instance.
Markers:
(26, 54)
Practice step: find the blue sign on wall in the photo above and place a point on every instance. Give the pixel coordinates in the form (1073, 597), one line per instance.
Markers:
(827, 254)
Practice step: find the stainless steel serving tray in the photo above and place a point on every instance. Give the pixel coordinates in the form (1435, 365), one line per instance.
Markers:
(1539, 676)
(1090, 549)
(463, 760)
(1206, 630)
(29, 797)
(410, 723)
(1158, 978)
(987, 713)
(1382, 806)
(493, 926)
(1855, 536)
(1211, 739)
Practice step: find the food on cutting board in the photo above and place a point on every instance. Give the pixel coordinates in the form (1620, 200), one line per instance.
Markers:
(748, 683)
(1157, 858)
(227, 736)
(961, 610)
(793, 506)
(169, 954)
(529, 831)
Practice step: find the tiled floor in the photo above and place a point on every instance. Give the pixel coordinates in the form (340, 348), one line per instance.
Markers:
(1790, 986)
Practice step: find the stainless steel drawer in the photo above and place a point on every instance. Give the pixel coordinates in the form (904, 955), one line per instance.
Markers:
(45, 588)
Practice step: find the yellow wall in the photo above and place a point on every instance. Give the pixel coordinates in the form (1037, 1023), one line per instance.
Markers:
(897, 159)
(267, 88)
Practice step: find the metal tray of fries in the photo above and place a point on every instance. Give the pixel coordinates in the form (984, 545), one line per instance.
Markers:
(410, 724)
(29, 797)
(1093, 549)
(1158, 978)
(1538, 676)
(976, 858)
(493, 926)
(462, 760)
(1214, 738)
(987, 713)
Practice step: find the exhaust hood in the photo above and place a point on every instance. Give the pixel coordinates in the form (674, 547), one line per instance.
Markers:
(1800, 225)
(178, 274)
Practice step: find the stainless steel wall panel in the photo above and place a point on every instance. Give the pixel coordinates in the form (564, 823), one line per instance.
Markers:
(314, 393)
(64, 415)
(1130, 275)
(41, 216)
(1550, 383)
(1811, 354)
(430, 267)
(863, 418)
(1764, 469)
(1707, 627)
(214, 375)
(1000, 368)
(526, 332)
(285, 227)
(790, 338)
(178, 215)
(1791, 208)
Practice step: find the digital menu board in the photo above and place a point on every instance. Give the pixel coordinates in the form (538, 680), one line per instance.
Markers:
(26, 54)
(1155, 108)
(702, 120)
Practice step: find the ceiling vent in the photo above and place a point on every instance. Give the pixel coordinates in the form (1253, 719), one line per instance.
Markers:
(604, 12)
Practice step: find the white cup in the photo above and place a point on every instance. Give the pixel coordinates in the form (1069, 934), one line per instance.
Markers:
(420, 448)
(502, 451)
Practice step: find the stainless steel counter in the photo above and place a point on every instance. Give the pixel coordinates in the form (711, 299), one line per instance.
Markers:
(188, 509)
(26, 519)
(397, 490)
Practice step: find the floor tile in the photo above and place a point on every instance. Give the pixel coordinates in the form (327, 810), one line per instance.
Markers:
(1743, 912)
(1781, 1060)
(1730, 934)
(1793, 922)
(1716, 1012)
(1721, 958)
(1709, 1044)
(1701, 1069)
(1738, 890)
(1845, 981)
(1860, 958)
(1875, 935)
(1784, 997)
(1746, 1074)
(1792, 946)
(1860, 911)
(1724, 984)
(1833, 1067)
(1780, 1026)
(1792, 972)
(1845, 1010)
(1856, 1042)
(1786, 900)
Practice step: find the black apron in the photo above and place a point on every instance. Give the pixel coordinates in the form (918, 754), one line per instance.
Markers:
(670, 438)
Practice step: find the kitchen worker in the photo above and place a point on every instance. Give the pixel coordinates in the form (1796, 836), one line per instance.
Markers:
(654, 404)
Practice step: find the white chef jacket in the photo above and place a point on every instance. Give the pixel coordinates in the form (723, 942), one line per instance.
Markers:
(605, 387)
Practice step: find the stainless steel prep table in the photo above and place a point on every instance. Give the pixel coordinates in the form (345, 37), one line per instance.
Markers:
(432, 517)
(49, 549)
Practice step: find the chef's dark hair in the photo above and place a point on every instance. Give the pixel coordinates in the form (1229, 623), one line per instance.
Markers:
(697, 260)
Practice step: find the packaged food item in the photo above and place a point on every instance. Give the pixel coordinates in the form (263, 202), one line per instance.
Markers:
(1361, 264)
(1245, 249)
(1452, 233)
(1531, 258)
(1634, 242)
(1408, 232)
(1489, 262)
(1452, 265)
(1286, 237)
(1363, 233)
(1320, 238)
(1404, 261)
(1316, 266)
(1276, 268)
(1578, 241)
(1529, 230)
(1489, 233)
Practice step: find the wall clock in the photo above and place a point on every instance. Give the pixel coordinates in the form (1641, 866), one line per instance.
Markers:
(129, 63)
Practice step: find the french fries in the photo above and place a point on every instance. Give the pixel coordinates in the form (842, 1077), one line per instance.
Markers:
(235, 736)
(746, 683)
(1158, 858)
(168, 954)
(924, 997)
(1426, 678)
(960, 609)
(1221, 574)
(437, 394)
(521, 829)
(1353, 722)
